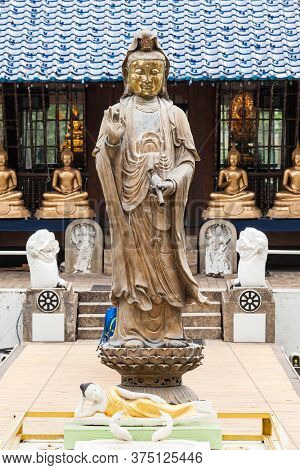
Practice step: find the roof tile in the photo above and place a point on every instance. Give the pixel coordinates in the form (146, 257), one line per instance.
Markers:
(87, 39)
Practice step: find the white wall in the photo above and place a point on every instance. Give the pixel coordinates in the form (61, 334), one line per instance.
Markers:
(11, 302)
(287, 315)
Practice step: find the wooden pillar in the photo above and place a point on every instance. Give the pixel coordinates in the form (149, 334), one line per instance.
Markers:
(98, 98)
(201, 114)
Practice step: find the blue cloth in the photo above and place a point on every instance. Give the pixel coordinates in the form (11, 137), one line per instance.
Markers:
(110, 321)
(86, 40)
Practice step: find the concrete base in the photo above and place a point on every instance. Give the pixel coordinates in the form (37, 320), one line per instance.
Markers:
(48, 327)
(59, 325)
(254, 325)
(202, 432)
(249, 328)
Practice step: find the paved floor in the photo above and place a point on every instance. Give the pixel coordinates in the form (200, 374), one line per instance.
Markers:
(21, 280)
(234, 377)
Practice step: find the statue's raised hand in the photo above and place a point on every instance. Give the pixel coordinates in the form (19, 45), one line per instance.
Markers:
(115, 127)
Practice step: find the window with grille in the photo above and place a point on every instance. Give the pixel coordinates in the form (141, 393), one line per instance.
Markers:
(262, 119)
(49, 117)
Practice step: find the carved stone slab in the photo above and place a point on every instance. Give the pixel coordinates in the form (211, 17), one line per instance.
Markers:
(84, 247)
(217, 247)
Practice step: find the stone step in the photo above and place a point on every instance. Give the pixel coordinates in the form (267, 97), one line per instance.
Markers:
(103, 296)
(100, 307)
(93, 296)
(213, 307)
(189, 320)
(213, 332)
(93, 308)
(88, 332)
(200, 320)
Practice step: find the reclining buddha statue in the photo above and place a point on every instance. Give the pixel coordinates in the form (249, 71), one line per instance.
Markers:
(287, 203)
(232, 201)
(67, 200)
(11, 200)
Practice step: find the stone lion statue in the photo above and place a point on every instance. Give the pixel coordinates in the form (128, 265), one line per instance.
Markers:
(42, 249)
(252, 247)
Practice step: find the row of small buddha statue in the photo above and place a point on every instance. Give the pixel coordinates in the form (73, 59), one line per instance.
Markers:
(67, 200)
(233, 201)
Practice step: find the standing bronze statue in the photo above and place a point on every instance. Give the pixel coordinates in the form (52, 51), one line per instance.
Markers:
(145, 160)
(287, 202)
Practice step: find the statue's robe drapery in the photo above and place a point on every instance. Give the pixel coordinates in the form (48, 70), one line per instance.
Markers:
(144, 407)
(151, 279)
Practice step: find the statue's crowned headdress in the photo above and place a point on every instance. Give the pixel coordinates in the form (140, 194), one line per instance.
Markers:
(145, 46)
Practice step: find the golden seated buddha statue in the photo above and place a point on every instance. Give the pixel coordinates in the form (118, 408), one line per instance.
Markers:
(11, 201)
(287, 203)
(67, 200)
(232, 201)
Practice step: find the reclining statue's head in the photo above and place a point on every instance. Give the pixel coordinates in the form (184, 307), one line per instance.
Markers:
(146, 67)
(94, 393)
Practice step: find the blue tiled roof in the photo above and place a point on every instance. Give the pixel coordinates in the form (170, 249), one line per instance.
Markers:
(204, 39)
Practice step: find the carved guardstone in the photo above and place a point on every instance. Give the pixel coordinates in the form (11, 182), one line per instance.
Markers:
(84, 247)
(155, 370)
(217, 241)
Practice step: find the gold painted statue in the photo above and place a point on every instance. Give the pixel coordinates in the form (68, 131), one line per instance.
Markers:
(232, 201)
(11, 201)
(145, 157)
(74, 136)
(67, 200)
(287, 203)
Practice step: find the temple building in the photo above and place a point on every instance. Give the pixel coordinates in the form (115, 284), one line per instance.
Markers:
(235, 71)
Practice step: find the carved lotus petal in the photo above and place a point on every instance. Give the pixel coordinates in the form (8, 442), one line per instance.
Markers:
(178, 352)
(176, 368)
(172, 360)
(115, 360)
(141, 360)
(165, 367)
(156, 359)
(129, 360)
(149, 367)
